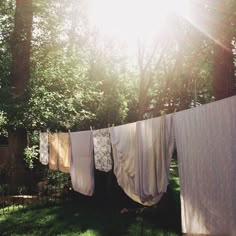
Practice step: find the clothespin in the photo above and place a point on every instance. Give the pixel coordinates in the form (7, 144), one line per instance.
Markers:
(163, 113)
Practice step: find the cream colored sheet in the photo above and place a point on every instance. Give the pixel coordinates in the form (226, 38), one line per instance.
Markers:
(206, 146)
(156, 144)
(142, 152)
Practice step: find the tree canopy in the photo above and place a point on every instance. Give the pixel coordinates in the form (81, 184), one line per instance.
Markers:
(80, 77)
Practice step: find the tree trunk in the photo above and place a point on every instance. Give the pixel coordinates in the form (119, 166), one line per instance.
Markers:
(21, 42)
(20, 45)
(223, 71)
(17, 143)
(223, 68)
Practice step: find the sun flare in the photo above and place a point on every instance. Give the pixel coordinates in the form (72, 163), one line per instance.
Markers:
(129, 19)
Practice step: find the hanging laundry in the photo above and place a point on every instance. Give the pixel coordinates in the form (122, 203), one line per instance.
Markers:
(59, 158)
(124, 146)
(206, 147)
(102, 150)
(43, 148)
(155, 149)
(64, 152)
(82, 165)
(142, 152)
(53, 151)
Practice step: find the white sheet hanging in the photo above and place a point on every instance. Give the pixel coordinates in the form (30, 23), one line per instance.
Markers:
(124, 145)
(156, 145)
(82, 165)
(142, 153)
(206, 146)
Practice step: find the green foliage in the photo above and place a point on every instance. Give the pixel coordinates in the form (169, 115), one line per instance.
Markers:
(80, 77)
(30, 155)
(112, 109)
(3, 120)
(55, 177)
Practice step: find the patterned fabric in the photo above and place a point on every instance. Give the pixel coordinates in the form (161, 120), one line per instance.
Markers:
(102, 150)
(43, 148)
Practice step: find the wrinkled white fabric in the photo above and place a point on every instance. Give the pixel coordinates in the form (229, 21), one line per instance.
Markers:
(142, 152)
(206, 147)
(102, 150)
(124, 147)
(156, 145)
(82, 165)
(43, 148)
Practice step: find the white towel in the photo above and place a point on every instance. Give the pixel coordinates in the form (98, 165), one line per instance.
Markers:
(82, 165)
(142, 152)
(43, 148)
(64, 152)
(206, 147)
(102, 150)
(53, 151)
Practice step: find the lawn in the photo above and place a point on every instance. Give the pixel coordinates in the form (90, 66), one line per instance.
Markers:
(90, 217)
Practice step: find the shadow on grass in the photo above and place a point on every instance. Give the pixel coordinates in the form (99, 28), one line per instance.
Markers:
(75, 219)
(88, 216)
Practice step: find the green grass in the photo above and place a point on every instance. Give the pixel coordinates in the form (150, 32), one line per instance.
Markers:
(88, 218)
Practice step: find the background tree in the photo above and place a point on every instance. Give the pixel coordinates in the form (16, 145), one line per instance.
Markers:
(66, 74)
(224, 33)
(20, 73)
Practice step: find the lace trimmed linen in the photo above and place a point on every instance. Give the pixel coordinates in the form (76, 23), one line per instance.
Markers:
(102, 150)
(43, 148)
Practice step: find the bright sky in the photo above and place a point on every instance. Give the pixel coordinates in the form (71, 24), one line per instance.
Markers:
(130, 19)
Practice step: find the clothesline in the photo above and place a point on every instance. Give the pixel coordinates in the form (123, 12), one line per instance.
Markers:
(127, 158)
(205, 139)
